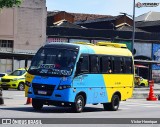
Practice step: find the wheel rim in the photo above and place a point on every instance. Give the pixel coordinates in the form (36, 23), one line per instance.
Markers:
(21, 87)
(79, 104)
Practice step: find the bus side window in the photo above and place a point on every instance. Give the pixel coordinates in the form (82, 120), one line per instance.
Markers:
(117, 65)
(94, 64)
(128, 65)
(110, 68)
(106, 65)
(122, 69)
(85, 64)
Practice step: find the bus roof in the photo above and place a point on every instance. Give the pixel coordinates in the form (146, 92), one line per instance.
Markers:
(101, 48)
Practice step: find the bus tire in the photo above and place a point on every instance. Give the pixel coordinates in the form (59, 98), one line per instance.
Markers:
(78, 105)
(37, 104)
(113, 105)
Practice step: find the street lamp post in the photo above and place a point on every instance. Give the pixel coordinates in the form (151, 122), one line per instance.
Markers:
(133, 32)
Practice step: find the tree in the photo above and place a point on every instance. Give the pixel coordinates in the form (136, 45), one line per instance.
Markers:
(9, 3)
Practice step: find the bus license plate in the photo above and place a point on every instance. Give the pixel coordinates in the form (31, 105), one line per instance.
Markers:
(42, 92)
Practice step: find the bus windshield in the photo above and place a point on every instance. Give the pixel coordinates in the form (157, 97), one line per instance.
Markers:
(53, 62)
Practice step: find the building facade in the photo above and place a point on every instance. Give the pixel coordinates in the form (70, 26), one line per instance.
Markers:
(23, 30)
(108, 28)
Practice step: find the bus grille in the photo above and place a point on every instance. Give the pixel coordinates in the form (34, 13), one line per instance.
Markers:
(43, 87)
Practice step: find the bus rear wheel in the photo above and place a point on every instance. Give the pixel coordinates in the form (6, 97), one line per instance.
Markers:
(113, 105)
(37, 104)
(78, 105)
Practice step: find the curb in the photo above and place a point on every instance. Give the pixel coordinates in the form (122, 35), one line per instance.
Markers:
(145, 89)
(144, 94)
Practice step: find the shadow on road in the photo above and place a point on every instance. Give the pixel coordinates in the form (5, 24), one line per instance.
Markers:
(51, 109)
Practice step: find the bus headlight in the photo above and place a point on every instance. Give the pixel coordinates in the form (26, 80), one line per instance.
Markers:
(28, 84)
(61, 87)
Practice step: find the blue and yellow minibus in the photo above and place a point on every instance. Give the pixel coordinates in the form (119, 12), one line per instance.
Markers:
(76, 74)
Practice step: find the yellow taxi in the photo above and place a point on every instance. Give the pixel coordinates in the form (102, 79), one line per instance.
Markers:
(143, 82)
(139, 81)
(15, 80)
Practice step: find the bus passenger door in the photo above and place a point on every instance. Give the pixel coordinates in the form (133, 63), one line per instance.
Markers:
(92, 85)
(81, 80)
(90, 80)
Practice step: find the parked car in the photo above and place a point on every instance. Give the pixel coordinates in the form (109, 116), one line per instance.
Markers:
(140, 81)
(14, 80)
(143, 82)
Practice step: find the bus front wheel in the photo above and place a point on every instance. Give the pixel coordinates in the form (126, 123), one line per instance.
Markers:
(113, 105)
(37, 104)
(78, 105)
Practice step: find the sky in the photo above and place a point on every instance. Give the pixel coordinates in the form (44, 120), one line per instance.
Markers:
(102, 7)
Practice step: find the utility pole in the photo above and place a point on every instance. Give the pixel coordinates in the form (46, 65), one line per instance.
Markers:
(133, 32)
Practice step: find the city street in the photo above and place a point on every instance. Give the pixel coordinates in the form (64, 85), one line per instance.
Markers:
(80, 53)
(15, 107)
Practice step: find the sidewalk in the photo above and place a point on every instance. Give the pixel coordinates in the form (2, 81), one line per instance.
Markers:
(142, 93)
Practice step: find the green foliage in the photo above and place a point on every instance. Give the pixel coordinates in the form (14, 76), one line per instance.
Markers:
(9, 3)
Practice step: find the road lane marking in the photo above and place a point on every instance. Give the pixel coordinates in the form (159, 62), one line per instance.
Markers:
(139, 103)
(150, 106)
(19, 95)
(124, 108)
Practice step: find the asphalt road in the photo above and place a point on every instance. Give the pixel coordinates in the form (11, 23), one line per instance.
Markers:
(15, 107)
